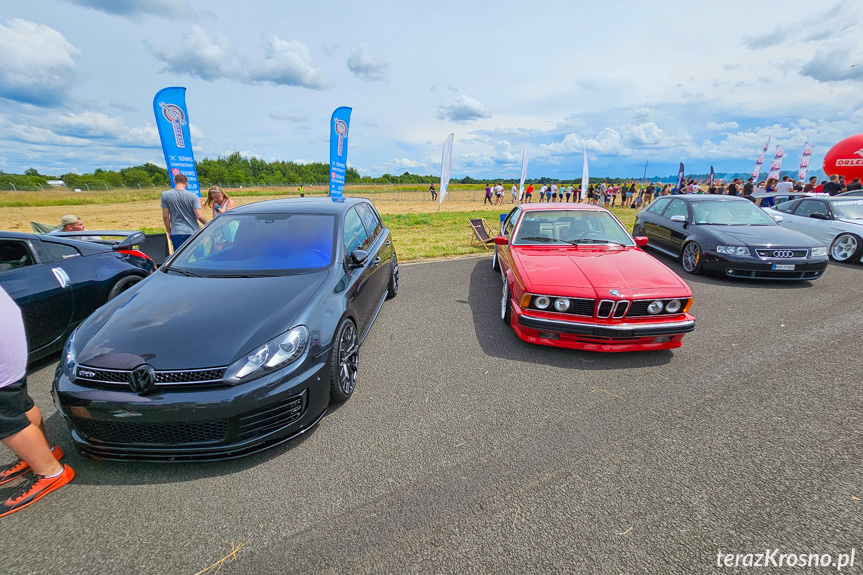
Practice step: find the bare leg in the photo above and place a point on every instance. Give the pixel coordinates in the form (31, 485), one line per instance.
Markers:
(31, 445)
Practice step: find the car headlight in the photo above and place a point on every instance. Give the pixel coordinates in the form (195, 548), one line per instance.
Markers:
(277, 353)
(733, 250)
(655, 307)
(542, 302)
(69, 361)
(822, 251)
(673, 306)
(561, 304)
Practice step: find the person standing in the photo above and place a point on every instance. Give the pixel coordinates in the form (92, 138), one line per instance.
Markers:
(181, 211)
(810, 187)
(854, 185)
(219, 201)
(832, 187)
(568, 192)
(528, 193)
(514, 193)
(433, 192)
(498, 194)
(542, 191)
(554, 192)
(488, 195)
(21, 426)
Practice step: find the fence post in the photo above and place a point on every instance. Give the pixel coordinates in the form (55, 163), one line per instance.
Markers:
(13, 186)
(88, 186)
(40, 186)
(106, 188)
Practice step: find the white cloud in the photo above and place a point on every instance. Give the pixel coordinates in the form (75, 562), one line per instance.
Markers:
(292, 118)
(286, 62)
(722, 125)
(645, 134)
(463, 109)
(134, 8)
(38, 63)
(365, 66)
(200, 55)
(837, 60)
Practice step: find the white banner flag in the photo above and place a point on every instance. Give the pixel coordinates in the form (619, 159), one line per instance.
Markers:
(804, 162)
(445, 167)
(584, 176)
(776, 166)
(523, 170)
(760, 161)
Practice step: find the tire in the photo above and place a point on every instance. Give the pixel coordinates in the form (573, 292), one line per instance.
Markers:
(495, 263)
(637, 230)
(344, 362)
(692, 258)
(122, 285)
(846, 248)
(505, 304)
(393, 286)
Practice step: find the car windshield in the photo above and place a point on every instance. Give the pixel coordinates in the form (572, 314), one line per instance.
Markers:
(571, 227)
(240, 245)
(719, 213)
(848, 209)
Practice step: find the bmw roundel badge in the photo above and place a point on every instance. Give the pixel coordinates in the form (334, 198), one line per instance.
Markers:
(614, 292)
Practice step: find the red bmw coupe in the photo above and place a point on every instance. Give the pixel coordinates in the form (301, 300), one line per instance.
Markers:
(573, 277)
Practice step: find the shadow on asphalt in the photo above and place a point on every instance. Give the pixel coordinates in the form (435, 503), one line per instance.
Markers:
(499, 340)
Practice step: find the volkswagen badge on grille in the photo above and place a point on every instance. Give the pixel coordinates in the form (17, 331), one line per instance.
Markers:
(142, 380)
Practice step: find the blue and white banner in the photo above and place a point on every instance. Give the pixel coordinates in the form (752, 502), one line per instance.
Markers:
(445, 168)
(172, 120)
(523, 170)
(339, 124)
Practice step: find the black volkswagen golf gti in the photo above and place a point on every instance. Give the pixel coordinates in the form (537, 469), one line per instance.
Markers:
(238, 342)
(730, 235)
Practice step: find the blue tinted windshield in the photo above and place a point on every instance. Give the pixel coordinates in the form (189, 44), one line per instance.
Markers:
(259, 244)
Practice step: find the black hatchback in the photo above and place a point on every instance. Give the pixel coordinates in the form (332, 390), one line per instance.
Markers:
(238, 342)
(730, 235)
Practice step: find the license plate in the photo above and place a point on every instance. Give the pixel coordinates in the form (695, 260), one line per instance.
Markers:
(783, 267)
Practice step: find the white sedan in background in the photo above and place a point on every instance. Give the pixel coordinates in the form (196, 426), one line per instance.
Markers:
(835, 220)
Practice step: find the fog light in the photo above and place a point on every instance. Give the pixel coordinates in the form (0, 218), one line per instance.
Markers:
(673, 306)
(561, 304)
(655, 307)
(549, 335)
(542, 302)
(662, 339)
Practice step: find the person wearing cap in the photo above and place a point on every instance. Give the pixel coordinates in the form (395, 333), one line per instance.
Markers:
(72, 223)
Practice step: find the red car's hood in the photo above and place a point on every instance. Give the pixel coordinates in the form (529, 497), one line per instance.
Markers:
(593, 272)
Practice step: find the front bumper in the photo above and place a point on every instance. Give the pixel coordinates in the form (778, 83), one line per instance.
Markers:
(594, 336)
(203, 424)
(762, 268)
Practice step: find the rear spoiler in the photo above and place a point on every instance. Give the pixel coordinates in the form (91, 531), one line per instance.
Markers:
(117, 240)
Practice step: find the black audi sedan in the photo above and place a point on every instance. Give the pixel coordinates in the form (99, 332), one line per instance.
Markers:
(238, 342)
(730, 235)
(57, 281)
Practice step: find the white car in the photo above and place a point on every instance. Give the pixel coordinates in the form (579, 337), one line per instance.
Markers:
(835, 220)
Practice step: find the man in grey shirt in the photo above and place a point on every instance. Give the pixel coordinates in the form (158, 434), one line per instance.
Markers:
(181, 211)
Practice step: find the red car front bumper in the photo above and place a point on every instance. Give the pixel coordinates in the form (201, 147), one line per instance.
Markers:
(588, 335)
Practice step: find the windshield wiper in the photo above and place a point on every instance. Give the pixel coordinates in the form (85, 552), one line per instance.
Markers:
(594, 241)
(186, 273)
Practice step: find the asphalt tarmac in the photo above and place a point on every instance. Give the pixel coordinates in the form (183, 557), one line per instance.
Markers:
(465, 450)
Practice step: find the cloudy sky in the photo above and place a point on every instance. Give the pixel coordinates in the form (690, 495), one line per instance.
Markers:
(630, 81)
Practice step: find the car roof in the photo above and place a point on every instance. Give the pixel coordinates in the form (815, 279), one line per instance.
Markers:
(17, 235)
(561, 206)
(708, 198)
(324, 205)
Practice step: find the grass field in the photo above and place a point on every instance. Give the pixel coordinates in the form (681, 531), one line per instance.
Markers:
(420, 231)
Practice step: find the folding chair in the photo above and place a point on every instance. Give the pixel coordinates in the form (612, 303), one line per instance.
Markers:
(482, 232)
(42, 228)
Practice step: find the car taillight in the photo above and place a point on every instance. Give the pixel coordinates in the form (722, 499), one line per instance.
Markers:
(136, 253)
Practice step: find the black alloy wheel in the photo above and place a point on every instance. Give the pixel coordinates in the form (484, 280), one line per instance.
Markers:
(344, 362)
(393, 287)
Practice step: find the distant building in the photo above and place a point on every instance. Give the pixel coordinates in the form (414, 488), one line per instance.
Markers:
(57, 183)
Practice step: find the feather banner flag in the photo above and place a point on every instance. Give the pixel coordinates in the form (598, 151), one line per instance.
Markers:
(679, 186)
(776, 166)
(523, 169)
(585, 178)
(644, 175)
(172, 121)
(760, 161)
(712, 177)
(804, 162)
(445, 168)
(339, 124)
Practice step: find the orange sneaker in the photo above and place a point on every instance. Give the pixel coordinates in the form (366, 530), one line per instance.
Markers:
(15, 470)
(34, 490)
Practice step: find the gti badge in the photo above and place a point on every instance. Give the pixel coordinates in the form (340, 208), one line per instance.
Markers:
(142, 380)
(614, 292)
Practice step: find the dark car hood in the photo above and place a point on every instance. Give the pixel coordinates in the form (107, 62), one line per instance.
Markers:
(176, 322)
(592, 273)
(768, 236)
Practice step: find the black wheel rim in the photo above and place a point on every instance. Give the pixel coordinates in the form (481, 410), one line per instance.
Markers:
(395, 279)
(349, 358)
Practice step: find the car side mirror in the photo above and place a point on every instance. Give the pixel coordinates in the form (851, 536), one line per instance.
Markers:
(358, 258)
(819, 216)
(500, 241)
(679, 219)
(776, 218)
(641, 241)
